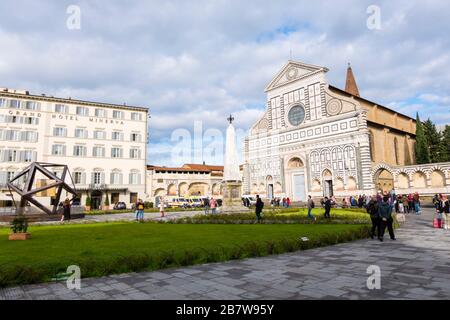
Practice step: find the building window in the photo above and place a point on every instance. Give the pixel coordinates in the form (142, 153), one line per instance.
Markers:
(82, 111)
(81, 133)
(135, 178)
(60, 108)
(100, 113)
(116, 135)
(98, 152)
(11, 156)
(31, 120)
(135, 153)
(10, 175)
(397, 160)
(135, 137)
(12, 135)
(14, 104)
(315, 104)
(296, 115)
(99, 135)
(3, 103)
(116, 178)
(59, 150)
(30, 136)
(117, 114)
(79, 151)
(371, 146)
(32, 105)
(59, 132)
(116, 152)
(136, 116)
(97, 178)
(28, 156)
(78, 177)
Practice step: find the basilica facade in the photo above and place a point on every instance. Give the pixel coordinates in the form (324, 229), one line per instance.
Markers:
(316, 139)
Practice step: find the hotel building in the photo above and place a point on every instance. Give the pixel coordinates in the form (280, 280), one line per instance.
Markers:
(104, 145)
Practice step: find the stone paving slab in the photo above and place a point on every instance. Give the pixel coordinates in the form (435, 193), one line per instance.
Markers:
(416, 266)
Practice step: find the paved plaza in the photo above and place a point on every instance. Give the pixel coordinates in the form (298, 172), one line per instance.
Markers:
(416, 266)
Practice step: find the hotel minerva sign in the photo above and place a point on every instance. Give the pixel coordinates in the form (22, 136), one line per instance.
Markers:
(63, 117)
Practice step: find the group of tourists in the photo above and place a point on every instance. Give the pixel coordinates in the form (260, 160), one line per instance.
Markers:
(285, 202)
(442, 205)
(380, 210)
(210, 203)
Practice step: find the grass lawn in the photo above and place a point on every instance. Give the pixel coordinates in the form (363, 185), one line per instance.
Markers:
(105, 248)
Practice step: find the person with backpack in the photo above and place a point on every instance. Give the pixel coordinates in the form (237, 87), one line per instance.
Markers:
(206, 205)
(259, 207)
(139, 210)
(372, 209)
(213, 205)
(327, 205)
(311, 206)
(386, 220)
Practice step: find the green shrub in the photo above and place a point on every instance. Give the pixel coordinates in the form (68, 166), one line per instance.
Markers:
(19, 224)
(148, 205)
(88, 201)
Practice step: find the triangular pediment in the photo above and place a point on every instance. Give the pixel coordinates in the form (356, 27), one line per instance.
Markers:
(293, 71)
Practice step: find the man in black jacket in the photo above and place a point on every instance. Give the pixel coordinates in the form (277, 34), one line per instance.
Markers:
(372, 209)
(259, 206)
(327, 205)
(385, 214)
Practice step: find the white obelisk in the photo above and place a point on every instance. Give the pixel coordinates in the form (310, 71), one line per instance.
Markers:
(232, 184)
(231, 168)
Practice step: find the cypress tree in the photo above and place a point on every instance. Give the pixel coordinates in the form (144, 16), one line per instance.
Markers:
(422, 152)
(445, 143)
(434, 141)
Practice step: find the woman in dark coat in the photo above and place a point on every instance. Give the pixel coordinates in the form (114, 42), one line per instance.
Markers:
(259, 206)
(66, 207)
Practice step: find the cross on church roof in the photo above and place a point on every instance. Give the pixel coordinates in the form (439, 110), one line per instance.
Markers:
(230, 119)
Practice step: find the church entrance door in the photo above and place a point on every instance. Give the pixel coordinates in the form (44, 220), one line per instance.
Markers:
(270, 191)
(328, 190)
(298, 183)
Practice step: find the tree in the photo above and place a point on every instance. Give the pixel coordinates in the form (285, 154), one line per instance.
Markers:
(422, 152)
(445, 143)
(433, 138)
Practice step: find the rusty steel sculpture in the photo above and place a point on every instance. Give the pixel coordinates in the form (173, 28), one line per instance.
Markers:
(27, 192)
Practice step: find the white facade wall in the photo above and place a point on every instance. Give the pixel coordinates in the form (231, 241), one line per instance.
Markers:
(86, 163)
(331, 142)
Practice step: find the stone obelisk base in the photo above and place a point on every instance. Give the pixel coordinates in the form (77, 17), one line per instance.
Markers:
(232, 200)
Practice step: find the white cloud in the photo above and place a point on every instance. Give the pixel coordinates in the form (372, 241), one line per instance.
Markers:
(191, 60)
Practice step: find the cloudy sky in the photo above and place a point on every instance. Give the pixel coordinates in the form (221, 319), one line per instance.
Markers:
(194, 62)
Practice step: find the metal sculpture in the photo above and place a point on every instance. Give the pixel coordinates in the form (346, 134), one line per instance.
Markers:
(27, 192)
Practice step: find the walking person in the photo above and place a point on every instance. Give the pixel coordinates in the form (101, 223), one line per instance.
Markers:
(386, 220)
(446, 211)
(66, 210)
(327, 205)
(206, 205)
(213, 205)
(311, 206)
(372, 209)
(417, 203)
(288, 202)
(258, 208)
(161, 207)
(140, 210)
(405, 203)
